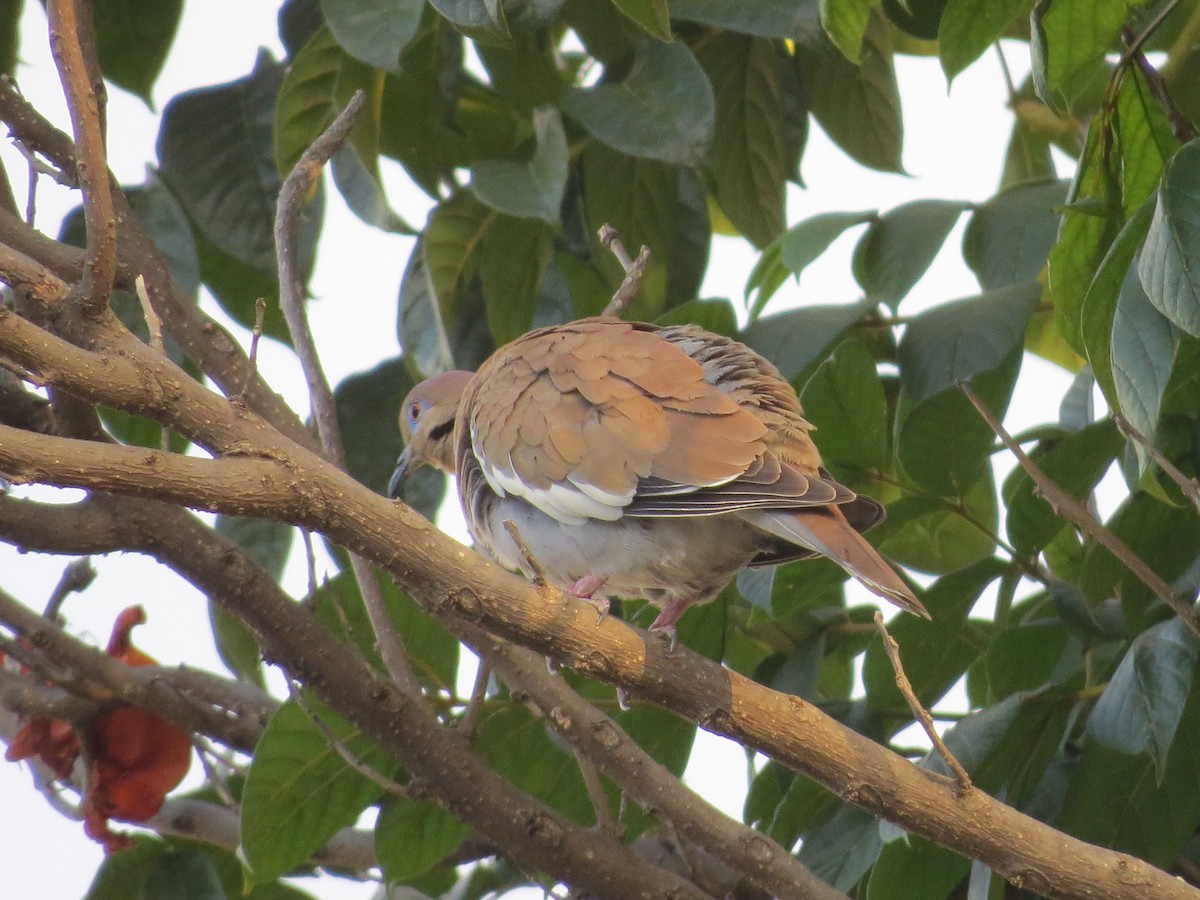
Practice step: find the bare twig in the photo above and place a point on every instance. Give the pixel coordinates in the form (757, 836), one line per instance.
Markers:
(155, 332)
(536, 574)
(470, 717)
(291, 300)
(71, 42)
(1189, 486)
(892, 649)
(1076, 513)
(595, 791)
(76, 577)
(260, 313)
(635, 269)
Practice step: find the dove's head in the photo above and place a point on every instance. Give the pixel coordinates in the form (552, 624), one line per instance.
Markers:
(427, 425)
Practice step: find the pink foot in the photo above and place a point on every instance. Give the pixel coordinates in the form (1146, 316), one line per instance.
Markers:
(585, 587)
(665, 623)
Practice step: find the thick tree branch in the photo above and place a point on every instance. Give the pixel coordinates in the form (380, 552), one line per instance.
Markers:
(440, 575)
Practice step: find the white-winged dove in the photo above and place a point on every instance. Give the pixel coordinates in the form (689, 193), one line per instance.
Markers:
(639, 461)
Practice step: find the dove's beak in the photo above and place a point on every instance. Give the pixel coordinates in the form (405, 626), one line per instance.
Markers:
(404, 464)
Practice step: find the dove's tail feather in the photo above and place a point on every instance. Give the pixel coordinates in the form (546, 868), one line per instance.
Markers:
(826, 531)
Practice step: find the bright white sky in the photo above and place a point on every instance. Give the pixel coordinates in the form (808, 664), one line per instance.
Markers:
(953, 149)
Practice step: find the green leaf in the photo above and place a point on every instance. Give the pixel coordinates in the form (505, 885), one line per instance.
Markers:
(1144, 139)
(373, 31)
(1068, 44)
(651, 15)
(687, 258)
(419, 325)
(10, 36)
(1009, 237)
(764, 18)
(1171, 256)
(454, 234)
(1100, 303)
(1090, 222)
(299, 792)
(845, 21)
(237, 285)
(969, 27)
(1144, 345)
(413, 836)
(858, 106)
(796, 339)
(640, 199)
(216, 151)
(793, 250)
(842, 850)
(844, 399)
(1029, 655)
(478, 18)
(713, 315)
(914, 867)
(944, 444)
(153, 870)
(528, 189)
(1140, 708)
(935, 655)
(899, 246)
(747, 163)
(132, 41)
(663, 108)
(934, 535)
(516, 253)
(952, 343)
(1076, 463)
(1120, 800)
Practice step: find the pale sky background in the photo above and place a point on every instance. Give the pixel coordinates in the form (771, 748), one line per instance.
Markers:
(954, 147)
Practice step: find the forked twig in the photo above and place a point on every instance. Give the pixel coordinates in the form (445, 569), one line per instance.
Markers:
(635, 270)
(961, 778)
(1189, 486)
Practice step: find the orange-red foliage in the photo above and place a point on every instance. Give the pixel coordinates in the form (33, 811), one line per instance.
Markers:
(137, 755)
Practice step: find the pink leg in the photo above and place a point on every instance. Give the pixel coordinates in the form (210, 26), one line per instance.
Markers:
(665, 623)
(585, 587)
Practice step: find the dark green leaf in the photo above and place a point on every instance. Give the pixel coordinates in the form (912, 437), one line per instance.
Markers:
(1100, 303)
(652, 15)
(186, 875)
(412, 836)
(765, 18)
(899, 246)
(10, 36)
(237, 285)
(216, 152)
(944, 444)
(969, 27)
(934, 535)
(844, 399)
(1144, 139)
(132, 41)
(478, 18)
(1171, 256)
(1027, 656)
(793, 250)
(1140, 708)
(1119, 800)
(1008, 238)
(373, 31)
(748, 162)
(450, 249)
(300, 791)
(842, 850)
(662, 109)
(796, 339)
(952, 343)
(1076, 463)
(858, 106)
(713, 315)
(914, 867)
(515, 255)
(1144, 344)
(532, 188)
(1090, 223)
(419, 324)
(687, 260)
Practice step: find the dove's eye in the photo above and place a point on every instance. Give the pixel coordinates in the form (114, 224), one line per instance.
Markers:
(415, 408)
